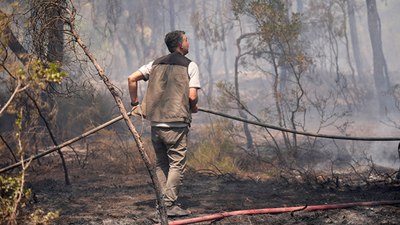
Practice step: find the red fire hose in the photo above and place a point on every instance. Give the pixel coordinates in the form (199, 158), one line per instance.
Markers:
(280, 210)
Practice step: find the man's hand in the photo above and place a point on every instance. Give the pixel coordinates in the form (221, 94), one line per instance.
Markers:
(137, 111)
(134, 108)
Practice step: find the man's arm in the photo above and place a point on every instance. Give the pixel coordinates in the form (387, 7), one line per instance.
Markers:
(194, 85)
(133, 87)
(193, 99)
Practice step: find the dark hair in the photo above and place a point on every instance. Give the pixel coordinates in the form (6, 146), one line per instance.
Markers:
(173, 39)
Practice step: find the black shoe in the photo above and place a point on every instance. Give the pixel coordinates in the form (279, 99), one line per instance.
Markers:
(175, 210)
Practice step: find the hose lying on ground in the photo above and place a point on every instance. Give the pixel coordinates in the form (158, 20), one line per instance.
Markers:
(280, 210)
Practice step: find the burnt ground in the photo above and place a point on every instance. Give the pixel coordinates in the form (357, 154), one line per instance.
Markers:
(112, 195)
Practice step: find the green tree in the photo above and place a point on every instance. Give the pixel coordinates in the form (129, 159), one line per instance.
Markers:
(279, 44)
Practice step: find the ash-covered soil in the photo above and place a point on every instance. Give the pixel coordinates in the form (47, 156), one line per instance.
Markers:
(110, 196)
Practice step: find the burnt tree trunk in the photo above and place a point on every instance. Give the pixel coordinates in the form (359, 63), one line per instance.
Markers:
(55, 47)
(223, 34)
(381, 75)
(209, 59)
(354, 38)
(249, 138)
(171, 14)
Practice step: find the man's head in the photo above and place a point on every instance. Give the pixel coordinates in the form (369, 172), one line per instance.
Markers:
(176, 41)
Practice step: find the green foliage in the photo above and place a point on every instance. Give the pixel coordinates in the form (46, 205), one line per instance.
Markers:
(249, 8)
(10, 188)
(279, 32)
(9, 192)
(40, 74)
(280, 44)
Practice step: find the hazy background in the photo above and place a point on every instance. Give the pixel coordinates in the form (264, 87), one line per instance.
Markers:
(309, 83)
(127, 34)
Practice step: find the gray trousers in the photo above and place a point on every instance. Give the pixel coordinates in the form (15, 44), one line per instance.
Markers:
(170, 146)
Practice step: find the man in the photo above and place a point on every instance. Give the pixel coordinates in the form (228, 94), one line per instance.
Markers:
(171, 98)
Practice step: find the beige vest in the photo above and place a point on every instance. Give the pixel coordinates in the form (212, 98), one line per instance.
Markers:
(167, 95)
